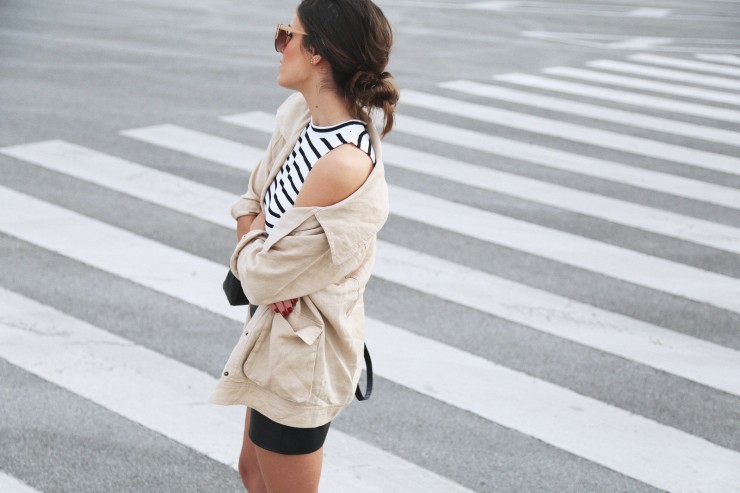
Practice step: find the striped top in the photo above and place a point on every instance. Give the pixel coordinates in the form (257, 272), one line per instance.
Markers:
(312, 144)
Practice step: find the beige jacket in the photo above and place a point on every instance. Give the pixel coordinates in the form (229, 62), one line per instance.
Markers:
(302, 370)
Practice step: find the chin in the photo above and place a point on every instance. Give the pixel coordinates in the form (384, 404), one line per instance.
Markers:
(281, 79)
(282, 82)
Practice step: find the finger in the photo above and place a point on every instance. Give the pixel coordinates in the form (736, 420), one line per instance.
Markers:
(274, 307)
(284, 307)
(288, 306)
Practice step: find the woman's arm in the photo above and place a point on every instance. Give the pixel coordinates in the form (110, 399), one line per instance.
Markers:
(243, 225)
(284, 307)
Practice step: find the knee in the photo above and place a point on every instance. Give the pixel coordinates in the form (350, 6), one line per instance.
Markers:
(251, 478)
(243, 469)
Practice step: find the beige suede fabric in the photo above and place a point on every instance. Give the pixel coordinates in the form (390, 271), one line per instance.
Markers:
(301, 370)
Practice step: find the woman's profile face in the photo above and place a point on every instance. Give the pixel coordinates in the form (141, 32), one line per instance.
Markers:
(295, 64)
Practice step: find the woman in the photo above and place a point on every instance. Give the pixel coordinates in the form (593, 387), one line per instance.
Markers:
(307, 228)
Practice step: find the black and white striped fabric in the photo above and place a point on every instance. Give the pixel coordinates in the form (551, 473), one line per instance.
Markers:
(313, 143)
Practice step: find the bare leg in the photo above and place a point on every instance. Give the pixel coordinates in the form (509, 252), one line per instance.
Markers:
(249, 468)
(291, 473)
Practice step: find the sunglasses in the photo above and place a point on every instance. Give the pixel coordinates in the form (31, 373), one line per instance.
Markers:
(283, 34)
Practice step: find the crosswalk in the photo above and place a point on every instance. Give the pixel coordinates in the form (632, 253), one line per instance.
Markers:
(622, 97)
(11, 484)
(646, 84)
(619, 263)
(565, 257)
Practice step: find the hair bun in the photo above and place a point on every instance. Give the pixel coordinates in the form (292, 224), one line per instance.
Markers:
(382, 76)
(371, 89)
(364, 80)
(374, 90)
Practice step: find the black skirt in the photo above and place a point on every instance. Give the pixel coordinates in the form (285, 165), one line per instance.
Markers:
(283, 439)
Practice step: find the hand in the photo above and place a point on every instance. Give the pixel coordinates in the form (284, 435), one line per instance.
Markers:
(283, 307)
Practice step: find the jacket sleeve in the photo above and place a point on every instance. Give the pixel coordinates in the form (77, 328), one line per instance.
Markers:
(296, 265)
(249, 203)
(286, 115)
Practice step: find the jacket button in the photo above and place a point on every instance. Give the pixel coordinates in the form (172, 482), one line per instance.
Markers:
(226, 373)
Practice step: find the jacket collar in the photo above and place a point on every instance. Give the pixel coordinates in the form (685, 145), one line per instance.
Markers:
(291, 117)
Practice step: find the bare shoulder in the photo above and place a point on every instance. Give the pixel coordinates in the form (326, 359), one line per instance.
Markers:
(336, 176)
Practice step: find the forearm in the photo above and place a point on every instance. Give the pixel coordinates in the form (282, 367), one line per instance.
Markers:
(243, 224)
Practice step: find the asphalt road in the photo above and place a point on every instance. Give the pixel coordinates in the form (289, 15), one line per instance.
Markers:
(556, 301)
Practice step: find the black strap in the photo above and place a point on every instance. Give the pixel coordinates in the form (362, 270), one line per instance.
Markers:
(369, 386)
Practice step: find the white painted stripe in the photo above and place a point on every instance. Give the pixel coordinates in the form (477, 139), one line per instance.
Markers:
(170, 397)
(728, 59)
(490, 5)
(576, 163)
(577, 133)
(145, 263)
(686, 64)
(134, 179)
(619, 211)
(649, 12)
(260, 121)
(600, 329)
(480, 5)
(601, 40)
(639, 43)
(188, 141)
(9, 484)
(644, 84)
(545, 156)
(638, 120)
(622, 97)
(662, 73)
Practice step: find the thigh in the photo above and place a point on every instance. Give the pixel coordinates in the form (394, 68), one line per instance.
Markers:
(248, 463)
(290, 458)
(290, 473)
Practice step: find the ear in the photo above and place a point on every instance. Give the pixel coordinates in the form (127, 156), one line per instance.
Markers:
(313, 57)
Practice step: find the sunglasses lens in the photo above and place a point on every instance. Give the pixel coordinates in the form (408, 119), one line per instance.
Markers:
(281, 38)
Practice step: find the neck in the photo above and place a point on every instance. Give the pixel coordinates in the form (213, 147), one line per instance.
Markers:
(326, 106)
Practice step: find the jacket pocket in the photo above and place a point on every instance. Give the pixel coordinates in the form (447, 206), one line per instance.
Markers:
(283, 360)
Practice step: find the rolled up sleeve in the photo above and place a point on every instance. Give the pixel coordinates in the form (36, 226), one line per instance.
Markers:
(249, 203)
(294, 266)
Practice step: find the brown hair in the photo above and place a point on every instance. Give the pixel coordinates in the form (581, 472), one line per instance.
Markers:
(355, 37)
